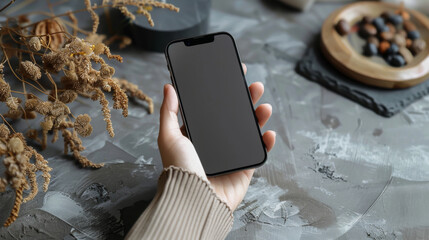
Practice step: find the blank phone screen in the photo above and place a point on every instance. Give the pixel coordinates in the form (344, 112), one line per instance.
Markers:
(215, 104)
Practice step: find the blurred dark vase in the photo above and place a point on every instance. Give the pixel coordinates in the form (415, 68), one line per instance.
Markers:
(191, 20)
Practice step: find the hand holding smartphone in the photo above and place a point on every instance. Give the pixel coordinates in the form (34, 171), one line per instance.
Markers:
(215, 103)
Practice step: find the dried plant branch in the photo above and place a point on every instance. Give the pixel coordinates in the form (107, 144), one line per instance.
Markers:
(46, 50)
(94, 16)
(20, 172)
(7, 5)
(16, 206)
(133, 90)
(75, 23)
(73, 143)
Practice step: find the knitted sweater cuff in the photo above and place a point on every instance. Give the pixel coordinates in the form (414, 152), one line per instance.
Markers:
(185, 207)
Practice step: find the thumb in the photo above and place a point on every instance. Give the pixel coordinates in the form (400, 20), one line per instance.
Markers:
(169, 125)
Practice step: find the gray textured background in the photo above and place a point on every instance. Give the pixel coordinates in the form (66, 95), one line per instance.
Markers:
(338, 170)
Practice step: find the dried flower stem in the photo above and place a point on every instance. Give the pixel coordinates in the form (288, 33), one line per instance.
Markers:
(99, 95)
(74, 24)
(8, 124)
(94, 16)
(74, 144)
(7, 5)
(16, 206)
(132, 90)
(53, 83)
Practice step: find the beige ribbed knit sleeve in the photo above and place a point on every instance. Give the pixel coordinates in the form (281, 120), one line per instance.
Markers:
(185, 207)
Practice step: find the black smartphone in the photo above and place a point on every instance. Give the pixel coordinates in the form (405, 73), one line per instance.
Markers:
(215, 102)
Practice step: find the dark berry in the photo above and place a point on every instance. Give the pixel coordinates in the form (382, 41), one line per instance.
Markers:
(396, 19)
(379, 23)
(367, 30)
(386, 15)
(397, 61)
(365, 20)
(413, 35)
(385, 29)
(369, 49)
(391, 27)
(392, 49)
(388, 58)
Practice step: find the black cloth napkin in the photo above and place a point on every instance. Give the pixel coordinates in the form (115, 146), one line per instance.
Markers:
(384, 102)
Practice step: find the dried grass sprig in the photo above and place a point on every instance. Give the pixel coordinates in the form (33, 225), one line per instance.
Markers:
(99, 95)
(73, 143)
(16, 206)
(20, 172)
(29, 70)
(82, 125)
(74, 22)
(143, 8)
(34, 44)
(94, 16)
(133, 90)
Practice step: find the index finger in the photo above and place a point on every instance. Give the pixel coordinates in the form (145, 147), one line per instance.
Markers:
(244, 68)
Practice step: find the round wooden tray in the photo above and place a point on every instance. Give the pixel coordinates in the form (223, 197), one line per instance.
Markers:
(345, 58)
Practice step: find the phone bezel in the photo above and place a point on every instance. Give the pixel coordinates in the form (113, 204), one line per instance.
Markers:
(201, 40)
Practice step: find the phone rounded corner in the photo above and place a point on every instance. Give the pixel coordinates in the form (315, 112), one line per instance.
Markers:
(257, 165)
(264, 160)
(211, 174)
(167, 47)
(226, 33)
